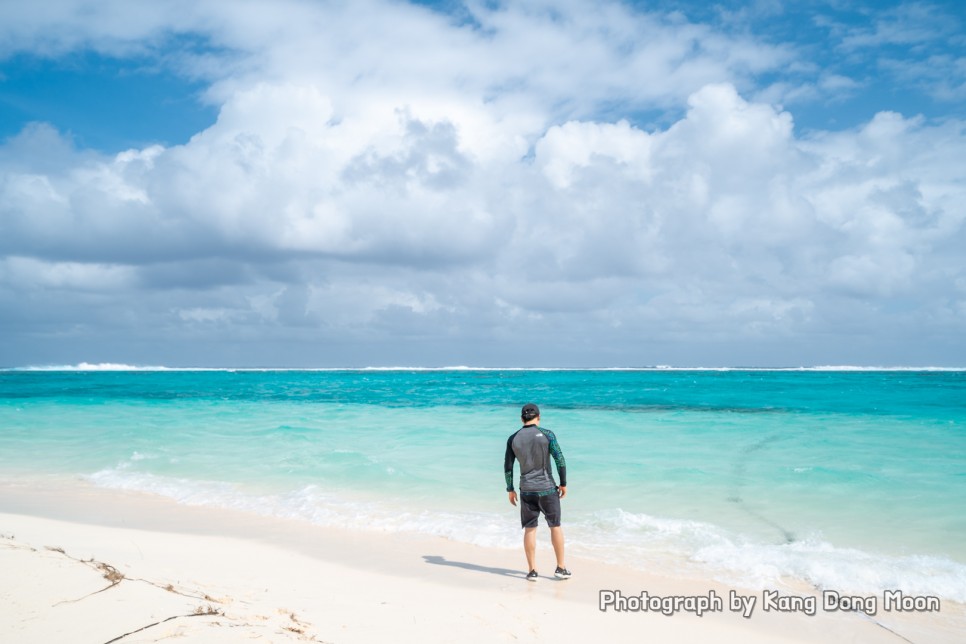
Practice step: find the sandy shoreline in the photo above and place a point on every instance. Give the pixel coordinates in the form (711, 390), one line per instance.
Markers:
(90, 565)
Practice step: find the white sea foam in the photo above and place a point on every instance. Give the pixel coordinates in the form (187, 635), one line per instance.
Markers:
(826, 566)
(87, 366)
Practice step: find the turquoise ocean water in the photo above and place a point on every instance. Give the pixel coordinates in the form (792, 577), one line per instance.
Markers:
(845, 479)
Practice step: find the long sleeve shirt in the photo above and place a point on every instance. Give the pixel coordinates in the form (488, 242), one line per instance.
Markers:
(534, 447)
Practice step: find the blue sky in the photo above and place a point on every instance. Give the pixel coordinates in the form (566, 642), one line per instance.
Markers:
(105, 103)
(561, 183)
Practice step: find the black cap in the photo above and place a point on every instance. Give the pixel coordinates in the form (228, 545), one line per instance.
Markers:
(529, 412)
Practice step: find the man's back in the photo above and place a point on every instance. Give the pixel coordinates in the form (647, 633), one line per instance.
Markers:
(534, 447)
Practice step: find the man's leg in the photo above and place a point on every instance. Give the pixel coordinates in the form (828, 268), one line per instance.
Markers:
(530, 547)
(557, 539)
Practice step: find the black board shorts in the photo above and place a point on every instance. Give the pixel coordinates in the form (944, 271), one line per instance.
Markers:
(531, 505)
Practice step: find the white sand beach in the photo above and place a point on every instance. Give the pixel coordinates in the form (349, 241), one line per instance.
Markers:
(87, 565)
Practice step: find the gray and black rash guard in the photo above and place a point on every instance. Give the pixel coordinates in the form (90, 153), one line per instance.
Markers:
(533, 447)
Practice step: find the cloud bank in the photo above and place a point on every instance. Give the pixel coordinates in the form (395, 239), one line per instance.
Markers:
(385, 184)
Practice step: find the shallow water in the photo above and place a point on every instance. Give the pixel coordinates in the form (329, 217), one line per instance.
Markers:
(852, 480)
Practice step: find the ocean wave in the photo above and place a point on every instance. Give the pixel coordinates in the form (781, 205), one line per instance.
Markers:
(641, 541)
(310, 503)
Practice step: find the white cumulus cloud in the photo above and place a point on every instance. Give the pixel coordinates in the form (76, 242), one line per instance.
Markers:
(382, 181)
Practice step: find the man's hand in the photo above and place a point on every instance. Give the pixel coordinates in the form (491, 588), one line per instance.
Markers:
(513, 497)
(562, 491)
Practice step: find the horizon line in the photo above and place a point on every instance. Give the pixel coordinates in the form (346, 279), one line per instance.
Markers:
(121, 367)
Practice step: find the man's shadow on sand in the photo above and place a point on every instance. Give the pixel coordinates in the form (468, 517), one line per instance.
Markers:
(442, 561)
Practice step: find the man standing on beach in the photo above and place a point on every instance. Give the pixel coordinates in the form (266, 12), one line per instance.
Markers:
(533, 447)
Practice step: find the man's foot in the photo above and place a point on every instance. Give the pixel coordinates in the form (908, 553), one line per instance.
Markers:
(561, 573)
(533, 576)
